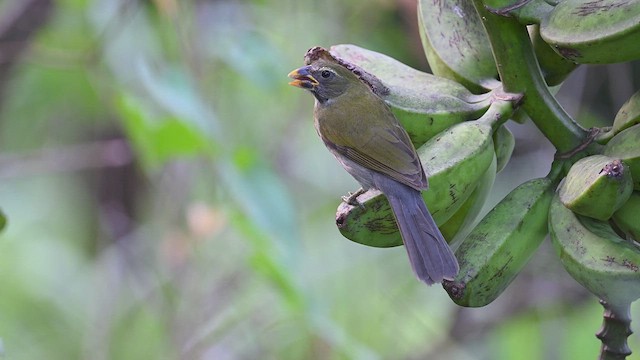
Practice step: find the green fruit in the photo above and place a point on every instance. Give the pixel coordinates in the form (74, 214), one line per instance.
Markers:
(627, 218)
(501, 244)
(594, 32)
(424, 104)
(466, 215)
(596, 186)
(456, 45)
(504, 143)
(626, 146)
(594, 255)
(628, 115)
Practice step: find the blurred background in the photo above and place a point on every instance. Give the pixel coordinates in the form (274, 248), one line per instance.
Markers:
(167, 196)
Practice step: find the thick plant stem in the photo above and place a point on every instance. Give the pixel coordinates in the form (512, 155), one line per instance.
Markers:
(520, 73)
(616, 328)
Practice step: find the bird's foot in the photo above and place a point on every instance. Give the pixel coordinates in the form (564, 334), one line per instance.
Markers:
(352, 198)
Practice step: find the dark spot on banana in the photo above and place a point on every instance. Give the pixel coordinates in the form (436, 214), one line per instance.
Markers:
(629, 265)
(592, 7)
(569, 53)
(455, 289)
(614, 169)
(385, 225)
(500, 272)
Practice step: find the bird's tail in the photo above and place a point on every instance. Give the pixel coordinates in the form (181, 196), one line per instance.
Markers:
(429, 254)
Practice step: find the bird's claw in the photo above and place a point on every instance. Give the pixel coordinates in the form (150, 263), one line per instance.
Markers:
(352, 198)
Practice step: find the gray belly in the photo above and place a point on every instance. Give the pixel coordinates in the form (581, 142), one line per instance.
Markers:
(363, 175)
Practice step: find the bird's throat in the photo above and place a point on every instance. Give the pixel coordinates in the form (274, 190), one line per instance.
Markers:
(320, 99)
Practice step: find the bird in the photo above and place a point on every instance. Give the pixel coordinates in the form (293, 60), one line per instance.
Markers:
(361, 131)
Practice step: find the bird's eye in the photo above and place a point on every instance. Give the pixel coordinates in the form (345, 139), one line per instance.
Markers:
(325, 74)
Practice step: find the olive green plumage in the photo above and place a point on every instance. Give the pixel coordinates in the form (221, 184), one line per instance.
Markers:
(360, 130)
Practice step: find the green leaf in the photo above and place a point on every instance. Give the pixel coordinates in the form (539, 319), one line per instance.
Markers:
(140, 333)
(160, 138)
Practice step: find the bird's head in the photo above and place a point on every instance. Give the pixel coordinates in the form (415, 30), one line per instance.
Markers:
(326, 80)
(328, 77)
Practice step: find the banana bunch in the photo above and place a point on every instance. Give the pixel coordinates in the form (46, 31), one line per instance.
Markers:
(495, 251)
(594, 219)
(460, 163)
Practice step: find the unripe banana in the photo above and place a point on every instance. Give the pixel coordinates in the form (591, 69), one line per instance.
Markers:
(501, 244)
(504, 143)
(594, 32)
(596, 186)
(627, 218)
(626, 146)
(460, 51)
(454, 161)
(424, 104)
(628, 115)
(459, 222)
(594, 255)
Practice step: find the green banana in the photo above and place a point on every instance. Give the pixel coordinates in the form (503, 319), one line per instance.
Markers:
(628, 115)
(455, 43)
(454, 162)
(460, 221)
(626, 146)
(594, 32)
(501, 244)
(594, 255)
(596, 186)
(424, 104)
(627, 218)
(504, 143)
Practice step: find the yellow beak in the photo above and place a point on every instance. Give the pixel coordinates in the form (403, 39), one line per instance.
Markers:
(302, 78)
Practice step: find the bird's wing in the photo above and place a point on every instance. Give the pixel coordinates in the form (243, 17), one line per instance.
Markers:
(385, 148)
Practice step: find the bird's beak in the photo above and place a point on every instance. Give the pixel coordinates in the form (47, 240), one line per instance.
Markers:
(302, 78)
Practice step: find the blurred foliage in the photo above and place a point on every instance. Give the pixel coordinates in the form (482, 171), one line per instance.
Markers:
(167, 198)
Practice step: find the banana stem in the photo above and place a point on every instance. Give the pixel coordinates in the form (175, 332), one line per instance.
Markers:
(520, 73)
(558, 170)
(501, 108)
(616, 327)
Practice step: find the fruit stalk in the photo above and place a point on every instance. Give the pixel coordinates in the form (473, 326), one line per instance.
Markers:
(616, 328)
(520, 73)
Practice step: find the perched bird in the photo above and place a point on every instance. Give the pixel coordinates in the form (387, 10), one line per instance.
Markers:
(360, 130)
